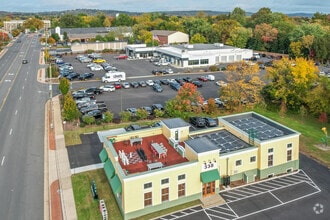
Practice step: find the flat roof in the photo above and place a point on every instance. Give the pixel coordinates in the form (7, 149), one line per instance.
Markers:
(175, 123)
(222, 140)
(200, 145)
(259, 127)
(192, 47)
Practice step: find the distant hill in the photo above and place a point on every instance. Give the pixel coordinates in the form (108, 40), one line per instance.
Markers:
(114, 12)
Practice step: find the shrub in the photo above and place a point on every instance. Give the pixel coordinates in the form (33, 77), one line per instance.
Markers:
(88, 119)
(107, 117)
(214, 68)
(82, 124)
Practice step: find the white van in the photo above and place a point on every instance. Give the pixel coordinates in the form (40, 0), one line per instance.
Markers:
(210, 77)
(114, 77)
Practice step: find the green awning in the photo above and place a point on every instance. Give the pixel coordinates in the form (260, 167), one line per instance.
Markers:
(103, 155)
(210, 176)
(115, 184)
(109, 169)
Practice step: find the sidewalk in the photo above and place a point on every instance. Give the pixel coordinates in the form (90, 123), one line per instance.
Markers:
(58, 193)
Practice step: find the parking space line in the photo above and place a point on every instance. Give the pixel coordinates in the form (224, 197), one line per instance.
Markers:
(276, 198)
(248, 188)
(222, 213)
(310, 180)
(244, 192)
(239, 195)
(274, 183)
(285, 181)
(297, 178)
(265, 188)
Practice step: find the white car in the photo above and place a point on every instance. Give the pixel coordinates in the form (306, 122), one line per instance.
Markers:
(96, 68)
(108, 88)
(149, 82)
(126, 85)
(221, 83)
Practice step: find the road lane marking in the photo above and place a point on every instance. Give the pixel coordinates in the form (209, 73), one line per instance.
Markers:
(16, 112)
(3, 160)
(11, 131)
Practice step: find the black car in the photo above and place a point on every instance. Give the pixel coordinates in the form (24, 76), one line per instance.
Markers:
(174, 85)
(132, 111)
(197, 83)
(197, 121)
(159, 107)
(157, 81)
(156, 72)
(134, 84)
(94, 113)
(187, 79)
(72, 76)
(94, 90)
(164, 81)
(210, 122)
(148, 109)
(157, 88)
(24, 61)
(85, 76)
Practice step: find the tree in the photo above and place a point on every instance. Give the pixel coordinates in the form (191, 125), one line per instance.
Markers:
(125, 116)
(64, 86)
(318, 98)
(239, 37)
(55, 37)
(33, 24)
(142, 114)
(197, 38)
(123, 20)
(239, 15)
(88, 119)
(244, 85)
(266, 34)
(188, 100)
(71, 21)
(290, 80)
(108, 117)
(70, 110)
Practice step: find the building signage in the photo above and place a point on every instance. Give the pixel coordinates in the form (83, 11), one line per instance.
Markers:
(209, 165)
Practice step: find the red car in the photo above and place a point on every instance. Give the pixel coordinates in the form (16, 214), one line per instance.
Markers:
(203, 78)
(117, 85)
(121, 57)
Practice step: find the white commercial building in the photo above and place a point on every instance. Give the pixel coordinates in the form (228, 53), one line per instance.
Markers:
(192, 55)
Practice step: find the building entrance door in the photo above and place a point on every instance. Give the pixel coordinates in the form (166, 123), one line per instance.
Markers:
(208, 188)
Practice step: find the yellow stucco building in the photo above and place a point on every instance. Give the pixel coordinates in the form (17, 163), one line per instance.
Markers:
(163, 166)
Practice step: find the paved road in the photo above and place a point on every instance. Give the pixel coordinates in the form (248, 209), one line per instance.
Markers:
(21, 133)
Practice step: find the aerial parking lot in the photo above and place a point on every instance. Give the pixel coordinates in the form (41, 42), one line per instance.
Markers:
(137, 71)
(253, 200)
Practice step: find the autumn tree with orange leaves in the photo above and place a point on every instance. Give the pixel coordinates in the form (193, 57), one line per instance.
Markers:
(188, 100)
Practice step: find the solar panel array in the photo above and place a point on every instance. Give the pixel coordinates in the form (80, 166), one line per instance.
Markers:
(225, 141)
(260, 129)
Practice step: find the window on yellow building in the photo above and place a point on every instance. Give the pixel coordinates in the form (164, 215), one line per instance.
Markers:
(148, 199)
(182, 177)
(289, 155)
(238, 162)
(252, 159)
(181, 189)
(165, 194)
(147, 185)
(289, 146)
(165, 181)
(270, 160)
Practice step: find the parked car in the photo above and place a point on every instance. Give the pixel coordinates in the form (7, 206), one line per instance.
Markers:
(85, 76)
(164, 81)
(202, 78)
(117, 85)
(221, 83)
(99, 60)
(157, 88)
(72, 76)
(142, 83)
(187, 79)
(168, 71)
(157, 81)
(149, 82)
(148, 109)
(96, 68)
(132, 111)
(133, 128)
(126, 85)
(210, 122)
(24, 61)
(95, 113)
(94, 90)
(174, 85)
(134, 84)
(108, 88)
(157, 106)
(197, 83)
(83, 100)
(121, 57)
(197, 121)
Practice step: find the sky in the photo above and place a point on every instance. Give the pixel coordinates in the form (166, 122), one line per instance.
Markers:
(283, 6)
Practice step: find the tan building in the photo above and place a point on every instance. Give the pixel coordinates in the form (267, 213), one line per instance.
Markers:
(170, 37)
(14, 24)
(160, 167)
